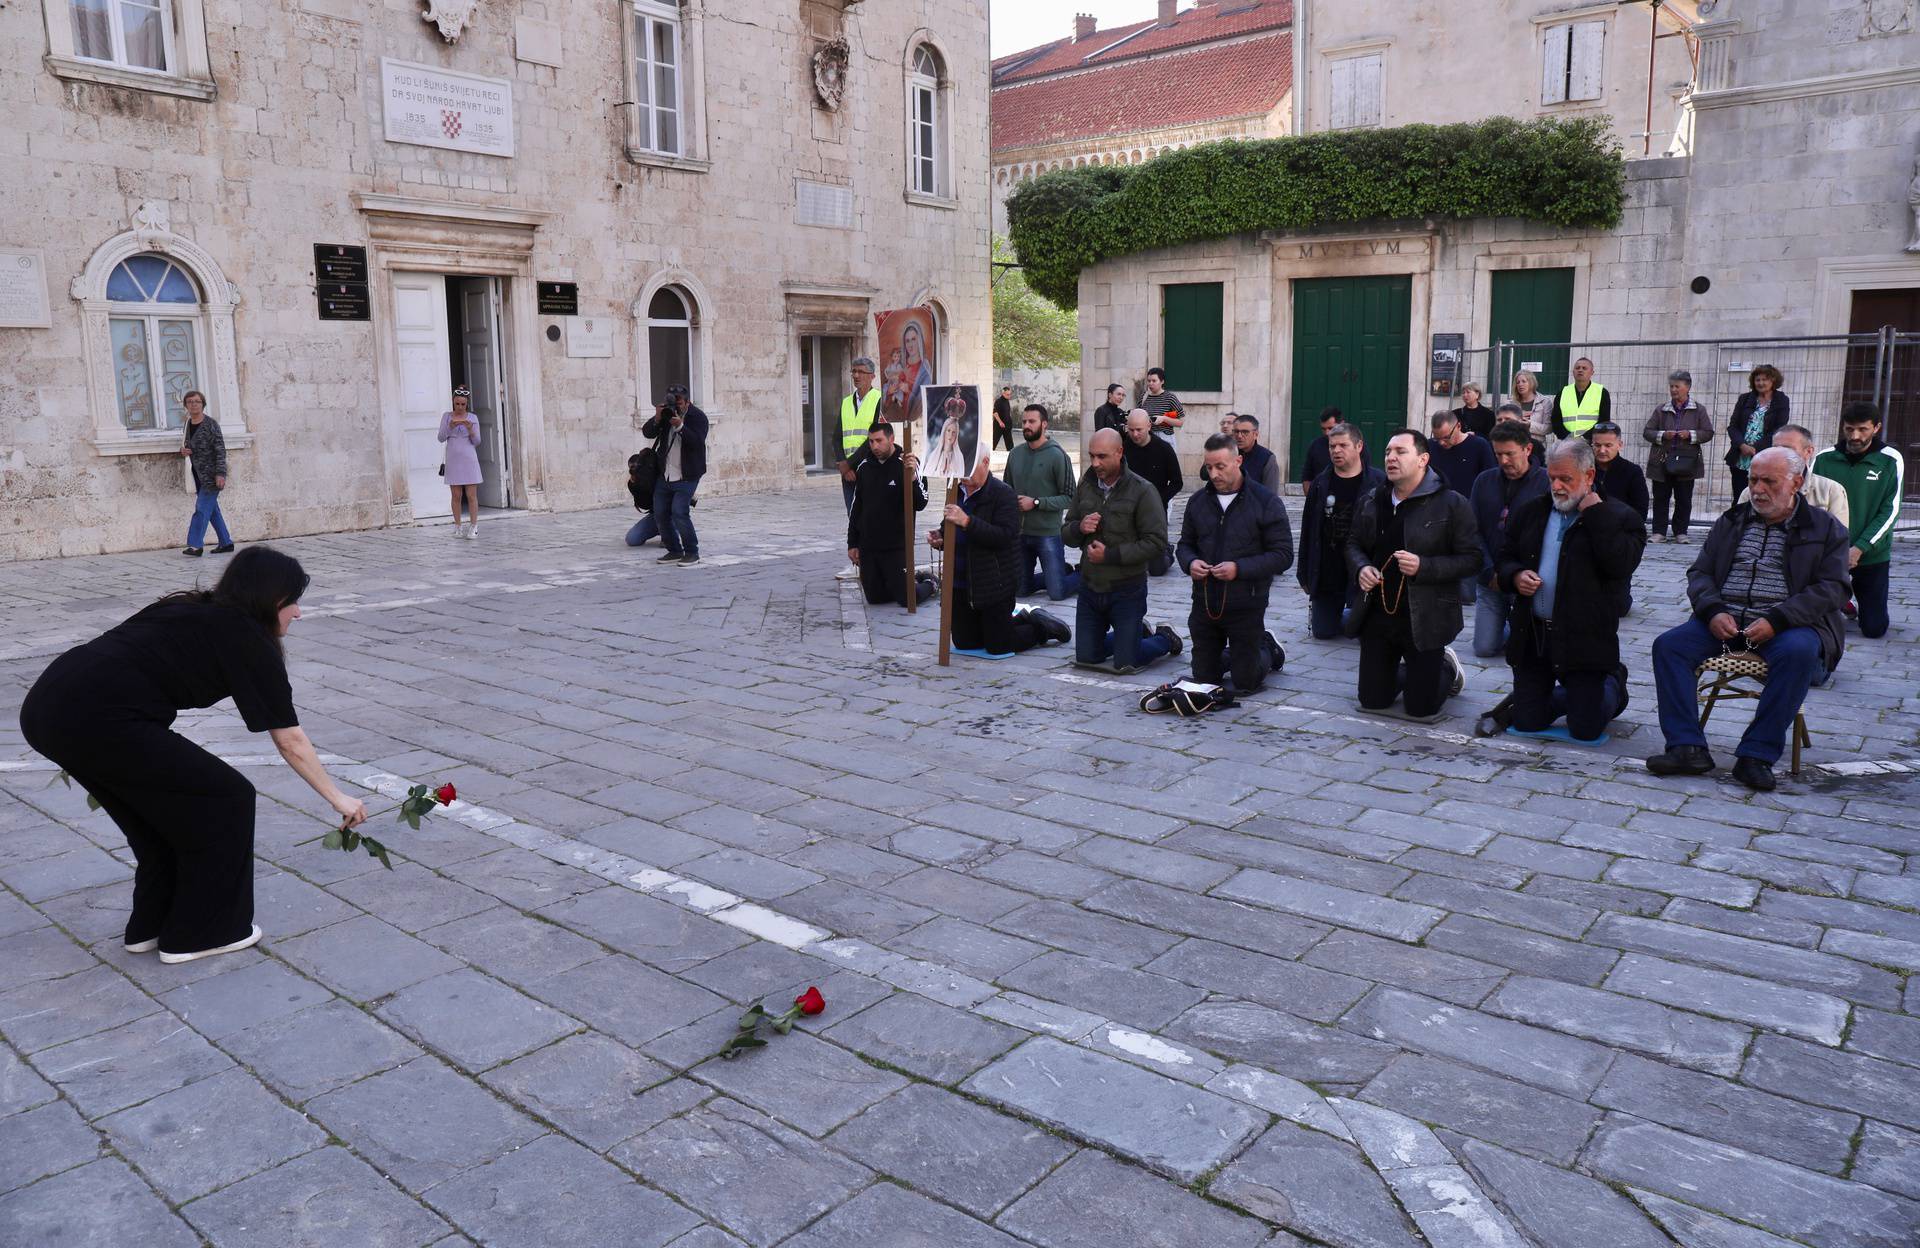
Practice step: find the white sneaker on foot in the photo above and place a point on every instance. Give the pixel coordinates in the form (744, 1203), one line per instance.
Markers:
(1459, 672)
(848, 573)
(457, 529)
(473, 531)
(144, 946)
(245, 942)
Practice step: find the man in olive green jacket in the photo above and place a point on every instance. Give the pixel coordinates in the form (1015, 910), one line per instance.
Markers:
(1120, 525)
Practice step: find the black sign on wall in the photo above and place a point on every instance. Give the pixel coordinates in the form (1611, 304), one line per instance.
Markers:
(337, 262)
(559, 299)
(1444, 369)
(344, 301)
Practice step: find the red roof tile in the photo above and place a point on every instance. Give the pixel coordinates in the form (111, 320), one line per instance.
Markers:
(1233, 80)
(1204, 23)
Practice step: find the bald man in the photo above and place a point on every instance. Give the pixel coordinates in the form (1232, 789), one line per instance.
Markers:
(1120, 525)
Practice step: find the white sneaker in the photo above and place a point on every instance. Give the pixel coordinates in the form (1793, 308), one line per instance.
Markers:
(144, 946)
(1459, 672)
(473, 532)
(245, 942)
(848, 573)
(457, 529)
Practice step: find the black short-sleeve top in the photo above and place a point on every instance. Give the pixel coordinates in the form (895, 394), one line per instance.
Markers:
(193, 654)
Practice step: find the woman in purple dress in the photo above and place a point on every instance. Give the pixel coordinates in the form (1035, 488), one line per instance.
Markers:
(460, 430)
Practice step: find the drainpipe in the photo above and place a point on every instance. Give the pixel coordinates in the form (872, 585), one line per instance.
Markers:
(1299, 120)
(1653, 35)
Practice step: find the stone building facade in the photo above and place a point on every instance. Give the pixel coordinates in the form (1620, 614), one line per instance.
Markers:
(565, 204)
(1787, 210)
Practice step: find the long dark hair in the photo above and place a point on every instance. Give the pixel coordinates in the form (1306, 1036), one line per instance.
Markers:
(257, 583)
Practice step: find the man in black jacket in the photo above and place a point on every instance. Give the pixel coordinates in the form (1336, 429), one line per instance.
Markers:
(1326, 517)
(1234, 540)
(1771, 578)
(1154, 461)
(679, 433)
(876, 536)
(1412, 541)
(1569, 560)
(986, 571)
(1617, 479)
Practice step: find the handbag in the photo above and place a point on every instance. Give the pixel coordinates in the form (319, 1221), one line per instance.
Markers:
(1186, 699)
(643, 475)
(1682, 459)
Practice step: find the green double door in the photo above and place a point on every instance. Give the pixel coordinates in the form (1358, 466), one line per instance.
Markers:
(1530, 305)
(1350, 344)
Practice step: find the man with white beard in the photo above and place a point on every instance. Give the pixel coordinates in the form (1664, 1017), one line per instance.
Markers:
(1569, 558)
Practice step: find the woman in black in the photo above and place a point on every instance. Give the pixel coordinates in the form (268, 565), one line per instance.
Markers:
(104, 711)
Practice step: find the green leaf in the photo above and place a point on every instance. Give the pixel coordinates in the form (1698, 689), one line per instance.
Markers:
(93, 803)
(381, 854)
(64, 778)
(335, 839)
(783, 1024)
(353, 841)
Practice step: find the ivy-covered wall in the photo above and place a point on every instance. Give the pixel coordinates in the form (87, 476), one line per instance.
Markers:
(1563, 172)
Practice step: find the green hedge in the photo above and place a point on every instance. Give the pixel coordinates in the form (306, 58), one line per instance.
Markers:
(1566, 173)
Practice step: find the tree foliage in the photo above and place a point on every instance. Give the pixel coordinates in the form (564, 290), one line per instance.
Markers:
(1565, 172)
(1028, 331)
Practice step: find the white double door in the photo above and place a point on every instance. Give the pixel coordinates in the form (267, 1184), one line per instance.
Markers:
(426, 325)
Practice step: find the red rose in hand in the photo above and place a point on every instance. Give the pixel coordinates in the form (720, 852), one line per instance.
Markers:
(810, 1001)
(445, 794)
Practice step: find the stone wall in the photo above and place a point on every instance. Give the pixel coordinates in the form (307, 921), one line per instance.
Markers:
(274, 161)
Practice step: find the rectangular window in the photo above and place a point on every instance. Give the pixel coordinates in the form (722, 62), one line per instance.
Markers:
(1354, 92)
(134, 33)
(149, 397)
(1193, 334)
(925, 162)
(656, 76)
(1571, 60)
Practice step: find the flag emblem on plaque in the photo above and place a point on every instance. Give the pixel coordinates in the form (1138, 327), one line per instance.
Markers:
(450, 122)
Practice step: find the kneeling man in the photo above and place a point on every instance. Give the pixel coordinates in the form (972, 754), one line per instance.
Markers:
(1770, 578)
(1234, 540)
(987, 558)
(1570, 558)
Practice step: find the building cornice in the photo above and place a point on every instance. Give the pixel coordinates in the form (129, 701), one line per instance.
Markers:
(374, 204)
(1805, 88)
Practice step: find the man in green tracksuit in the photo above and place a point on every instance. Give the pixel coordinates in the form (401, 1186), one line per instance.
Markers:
(1120, 525)
(1871, 472)
(1041, 475)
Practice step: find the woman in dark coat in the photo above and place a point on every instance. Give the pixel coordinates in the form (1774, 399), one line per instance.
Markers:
(104, 712)
(1758, 415)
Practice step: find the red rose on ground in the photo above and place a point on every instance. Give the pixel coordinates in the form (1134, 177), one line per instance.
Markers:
(810, 1001)
(445, 794)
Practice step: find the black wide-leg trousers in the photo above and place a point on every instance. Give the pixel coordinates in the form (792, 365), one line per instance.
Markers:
(187, 816)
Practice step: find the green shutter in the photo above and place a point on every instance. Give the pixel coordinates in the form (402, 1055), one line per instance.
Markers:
(1531, 305)
(1195, 333)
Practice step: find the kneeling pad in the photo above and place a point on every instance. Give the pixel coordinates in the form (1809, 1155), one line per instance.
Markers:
(978, 654)
(1398, 712)
(1557, 733)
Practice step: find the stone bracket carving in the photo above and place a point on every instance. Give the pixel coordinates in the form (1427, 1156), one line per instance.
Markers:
(1886, 17)
(831, 61)
(451, 16)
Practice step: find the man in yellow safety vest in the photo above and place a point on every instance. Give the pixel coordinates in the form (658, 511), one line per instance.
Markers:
(1582, 403)
(858, 413)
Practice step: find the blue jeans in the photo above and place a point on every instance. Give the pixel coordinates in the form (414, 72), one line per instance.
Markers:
(1109, 624)
(1870, 597)
(673, 516)
(1325, 613)
(1051, 553)
(643, 531)
(1490, 611)
(1793, 664)
(206, 507)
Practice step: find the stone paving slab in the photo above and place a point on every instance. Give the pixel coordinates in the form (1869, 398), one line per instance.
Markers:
(1216, 927)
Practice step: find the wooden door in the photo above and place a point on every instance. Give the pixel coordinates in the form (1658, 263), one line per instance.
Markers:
(1530, 305)
(1350, 345)
(420, 343)
(1900, 402)
(480, 350)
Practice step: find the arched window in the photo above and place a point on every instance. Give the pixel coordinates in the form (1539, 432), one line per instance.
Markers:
(927, 121)
(669, 341)
(158, 342)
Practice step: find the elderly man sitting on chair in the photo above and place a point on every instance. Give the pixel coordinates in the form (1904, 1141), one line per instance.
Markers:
(1769, 578)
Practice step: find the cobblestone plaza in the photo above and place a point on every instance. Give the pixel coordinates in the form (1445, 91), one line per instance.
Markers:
(1288, 974)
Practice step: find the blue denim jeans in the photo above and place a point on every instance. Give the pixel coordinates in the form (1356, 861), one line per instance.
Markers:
(206, 508)
(1325, 613)
(673, 516)
(1490, 612)
(645, 530)
(1793, 664)
(1108, 624)
(1051, 553)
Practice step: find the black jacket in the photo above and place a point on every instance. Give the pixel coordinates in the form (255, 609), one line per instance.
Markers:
(1623, 482)
(1313, 519)
(1109, 416)
(1253, 533)
(693, 441)
(992, 543)
(1156, 463)
(1779, 412)
(878, 521)
(1442, 532)
(1318, 459)
(1817, 580)
(1598, 555)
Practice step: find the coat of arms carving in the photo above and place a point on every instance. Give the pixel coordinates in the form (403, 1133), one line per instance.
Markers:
(830, 64)
(451, 16)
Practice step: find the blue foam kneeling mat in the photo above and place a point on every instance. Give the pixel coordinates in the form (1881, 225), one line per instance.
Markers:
(1557, 733)
(978, 654)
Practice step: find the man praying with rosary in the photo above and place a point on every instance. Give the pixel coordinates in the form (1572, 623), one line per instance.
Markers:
(1412, 541)
(1234, 539)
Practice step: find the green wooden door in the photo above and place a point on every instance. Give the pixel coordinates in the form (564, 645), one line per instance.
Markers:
(1193, 332)
(1531, 305)
(1350, 344)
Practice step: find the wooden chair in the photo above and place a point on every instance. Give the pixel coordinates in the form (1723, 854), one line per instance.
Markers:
(1728, 676)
